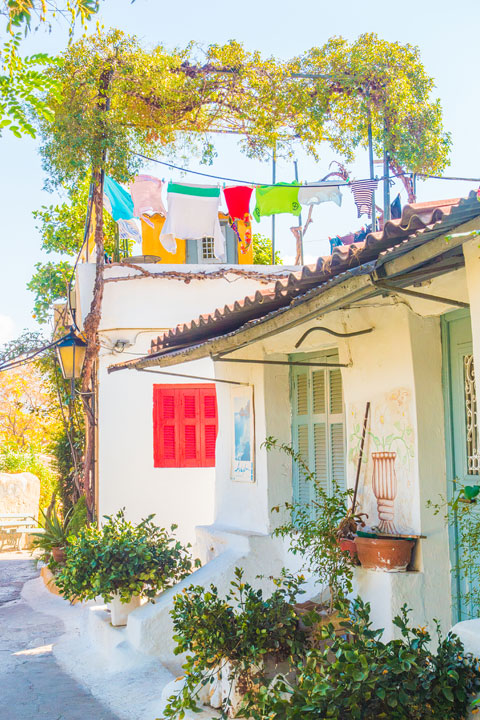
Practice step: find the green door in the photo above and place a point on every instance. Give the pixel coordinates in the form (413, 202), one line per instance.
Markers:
(461, 437)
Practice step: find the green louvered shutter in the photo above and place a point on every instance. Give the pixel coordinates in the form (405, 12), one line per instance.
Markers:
(318, 426)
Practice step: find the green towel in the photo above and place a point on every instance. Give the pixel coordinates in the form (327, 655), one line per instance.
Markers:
(275, 199)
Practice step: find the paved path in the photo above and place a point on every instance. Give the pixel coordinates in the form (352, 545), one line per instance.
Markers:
(32, 685)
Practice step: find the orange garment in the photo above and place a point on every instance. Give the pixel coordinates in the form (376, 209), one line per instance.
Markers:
(151, 244)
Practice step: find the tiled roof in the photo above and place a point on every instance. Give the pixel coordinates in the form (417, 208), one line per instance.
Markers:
(419, 222)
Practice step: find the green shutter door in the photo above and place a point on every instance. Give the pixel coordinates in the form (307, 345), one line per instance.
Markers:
(318, 426)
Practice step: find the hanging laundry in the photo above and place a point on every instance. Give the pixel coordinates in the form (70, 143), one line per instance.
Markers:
(129, 230)
(276, 199)
(362, 194)
(334, 242)
(146, 192)
(396, 208)
(119, 202)
(312, 194)
(237, 199)
(192, 215)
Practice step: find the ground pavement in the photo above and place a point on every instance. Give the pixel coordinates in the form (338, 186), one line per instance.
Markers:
(33, 686)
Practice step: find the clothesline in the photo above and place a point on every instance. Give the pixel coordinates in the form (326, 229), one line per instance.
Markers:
(326, 183)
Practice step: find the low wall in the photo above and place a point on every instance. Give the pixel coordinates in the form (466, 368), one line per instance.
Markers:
(19, 493)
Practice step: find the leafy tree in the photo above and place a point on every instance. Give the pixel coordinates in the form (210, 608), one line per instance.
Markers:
(385, 79)
(28, 341)
(62, 229)
(262, 251)
(113, 100)
(23, 82)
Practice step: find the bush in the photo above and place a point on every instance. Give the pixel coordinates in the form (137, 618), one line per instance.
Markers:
(241, 629)
(313, 530)
(122, 558)
(358, 677)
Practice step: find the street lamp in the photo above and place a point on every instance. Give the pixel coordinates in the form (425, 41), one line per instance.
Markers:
(71, 354)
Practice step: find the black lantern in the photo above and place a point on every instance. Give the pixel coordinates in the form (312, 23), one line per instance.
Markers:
(71, 354)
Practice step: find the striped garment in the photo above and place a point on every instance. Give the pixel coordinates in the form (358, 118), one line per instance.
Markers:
(362, 195)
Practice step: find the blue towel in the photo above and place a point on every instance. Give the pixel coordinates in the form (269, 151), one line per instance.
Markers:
(121, 203)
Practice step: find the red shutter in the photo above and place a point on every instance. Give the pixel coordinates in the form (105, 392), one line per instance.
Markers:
(185, 425)
(165, 426)
(209, 425)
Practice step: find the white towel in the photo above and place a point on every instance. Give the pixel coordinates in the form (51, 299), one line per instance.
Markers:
(329, 192)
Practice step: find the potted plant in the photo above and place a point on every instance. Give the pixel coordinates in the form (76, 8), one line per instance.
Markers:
(123, 562)
(316, 532)
(52, 539)
(233, 642)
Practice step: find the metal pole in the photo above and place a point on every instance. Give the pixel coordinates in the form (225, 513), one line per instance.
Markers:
(370, 157)
(274, 179)
(116, 252)
(386, 178)
(300, 222)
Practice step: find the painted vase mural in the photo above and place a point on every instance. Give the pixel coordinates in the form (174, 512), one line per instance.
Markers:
(384, 485)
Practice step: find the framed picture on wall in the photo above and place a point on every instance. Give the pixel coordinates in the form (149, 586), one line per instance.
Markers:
(243, 446)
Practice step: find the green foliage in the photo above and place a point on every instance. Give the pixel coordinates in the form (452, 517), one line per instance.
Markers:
(390, 78)
(23, 87)
(55, 531)
(67, 448)
(122, 558)
(262, 251)
(356, 676)
(49, 284)
(462, 512)
(20, 13)
(242, 628)
(78, 518)
(17, 460)
(313, 530)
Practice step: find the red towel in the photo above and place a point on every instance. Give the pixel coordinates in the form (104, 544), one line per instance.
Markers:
(238, 201)
(238, 205)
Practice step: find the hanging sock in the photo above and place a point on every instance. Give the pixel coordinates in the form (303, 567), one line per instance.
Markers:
(192, 215)
(276, 199)
(329, 192)
(237, 199)
(128, 230)
(146, 192)
(362, 195)
(119, 202)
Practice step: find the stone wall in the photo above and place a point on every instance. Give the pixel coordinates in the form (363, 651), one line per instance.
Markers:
(19, 493)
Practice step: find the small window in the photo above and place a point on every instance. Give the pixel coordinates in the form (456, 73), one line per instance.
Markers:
(206, 250)
(184, 425)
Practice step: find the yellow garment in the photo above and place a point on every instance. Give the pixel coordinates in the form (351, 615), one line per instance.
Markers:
(151, 244)
(245, 253)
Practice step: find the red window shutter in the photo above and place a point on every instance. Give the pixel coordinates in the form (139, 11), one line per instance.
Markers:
(185, 425)
(209, 425)
(165, 414)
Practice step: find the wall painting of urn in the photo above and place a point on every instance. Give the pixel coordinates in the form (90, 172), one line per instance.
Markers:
(384, 485)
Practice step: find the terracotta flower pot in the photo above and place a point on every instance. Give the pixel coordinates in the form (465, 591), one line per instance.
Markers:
(347, 545)
(58, 554)
(384, 485)
(384, 554)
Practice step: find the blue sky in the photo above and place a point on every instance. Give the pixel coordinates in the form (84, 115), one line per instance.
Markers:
(447, 34)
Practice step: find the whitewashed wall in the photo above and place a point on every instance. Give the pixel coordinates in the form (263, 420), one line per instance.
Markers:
(137, 310)
(397, 367)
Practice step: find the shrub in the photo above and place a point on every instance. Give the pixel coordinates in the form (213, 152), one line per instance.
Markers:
(359, 677)
(122, 558)
(241, 629)
(312, 530)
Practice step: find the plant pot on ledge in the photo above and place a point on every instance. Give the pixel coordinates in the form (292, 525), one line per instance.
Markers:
(119, 611)
(384, 554)
(58, 554)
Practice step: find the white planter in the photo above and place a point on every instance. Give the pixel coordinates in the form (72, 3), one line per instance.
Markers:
(120, 611)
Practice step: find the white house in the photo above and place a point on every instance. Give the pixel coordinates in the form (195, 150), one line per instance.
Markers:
(393, 321)
(140, 301)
